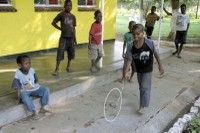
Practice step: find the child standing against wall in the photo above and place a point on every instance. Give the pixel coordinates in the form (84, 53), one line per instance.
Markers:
(68, 36)
(141, 53)
(26, 82)
(95, 46)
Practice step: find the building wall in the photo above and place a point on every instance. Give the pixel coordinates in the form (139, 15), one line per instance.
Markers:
(28, 31)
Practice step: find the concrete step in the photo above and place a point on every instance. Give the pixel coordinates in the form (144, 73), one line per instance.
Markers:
(163, 119)
(18, 112)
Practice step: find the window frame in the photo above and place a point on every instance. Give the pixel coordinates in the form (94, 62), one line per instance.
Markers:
(7, 7)
(88, 7)
(49, 7)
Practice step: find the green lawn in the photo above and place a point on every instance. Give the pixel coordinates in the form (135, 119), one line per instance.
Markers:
(193, 36)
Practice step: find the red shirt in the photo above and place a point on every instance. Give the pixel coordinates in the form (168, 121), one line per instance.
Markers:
(96, 32)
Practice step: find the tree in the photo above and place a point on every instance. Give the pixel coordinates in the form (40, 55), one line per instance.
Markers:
(197, 10)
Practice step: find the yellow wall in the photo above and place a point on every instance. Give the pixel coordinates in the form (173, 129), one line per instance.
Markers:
(27, 30)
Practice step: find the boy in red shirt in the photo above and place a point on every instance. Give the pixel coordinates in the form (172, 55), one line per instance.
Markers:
(95, 47)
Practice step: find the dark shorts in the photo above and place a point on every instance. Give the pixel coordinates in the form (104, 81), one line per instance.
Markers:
(181, 37)
(149, 31)
(65, 44)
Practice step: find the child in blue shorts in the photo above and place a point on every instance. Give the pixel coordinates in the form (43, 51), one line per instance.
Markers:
(26, 82)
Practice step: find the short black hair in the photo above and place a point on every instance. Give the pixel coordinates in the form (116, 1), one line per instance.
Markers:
(96, 12)
(20, 58)
(183, 5)
(67, 1)
(138, 26)
(132, 22)
(153, 7)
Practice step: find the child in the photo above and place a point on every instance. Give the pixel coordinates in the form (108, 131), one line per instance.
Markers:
(26, 82)
(128, 40)
(141, 53)
(182, 26)
(95, 47)
(150, 22)
(68, 36)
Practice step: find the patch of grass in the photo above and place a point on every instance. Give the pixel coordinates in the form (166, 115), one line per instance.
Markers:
(193, 125)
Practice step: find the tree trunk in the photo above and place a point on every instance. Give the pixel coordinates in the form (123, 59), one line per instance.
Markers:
(175, 7)
(197, 10)
(141, 11)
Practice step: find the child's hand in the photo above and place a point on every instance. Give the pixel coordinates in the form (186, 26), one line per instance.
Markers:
(75, 42)
(28, 87)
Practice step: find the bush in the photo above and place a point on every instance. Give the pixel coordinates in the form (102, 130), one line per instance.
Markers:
(193, 125)
(191, 15)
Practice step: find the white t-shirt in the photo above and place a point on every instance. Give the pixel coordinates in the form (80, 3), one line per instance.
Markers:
(21, 80)
(182, 21)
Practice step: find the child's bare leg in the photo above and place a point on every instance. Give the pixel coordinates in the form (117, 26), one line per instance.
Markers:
(123, 71)
(69, 66)
(176, 45)
(93, 68)
(180, 49)
(56, 69)
(96, 61)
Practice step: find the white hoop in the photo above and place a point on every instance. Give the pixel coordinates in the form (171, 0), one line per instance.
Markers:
(119, 101)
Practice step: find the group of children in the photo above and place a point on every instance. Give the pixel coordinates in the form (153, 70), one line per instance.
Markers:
(26, 80)
(138, 55)
(140, 51)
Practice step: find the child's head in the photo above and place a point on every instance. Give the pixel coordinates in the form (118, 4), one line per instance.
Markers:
(138, 31)
(153, 9)
(24, 62)
(131, 24)
(183, 8)
(68, 5)
(98, 16)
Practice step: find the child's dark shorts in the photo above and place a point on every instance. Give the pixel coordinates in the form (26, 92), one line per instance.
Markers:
(181, 37)
(149, 31)
(65, 43)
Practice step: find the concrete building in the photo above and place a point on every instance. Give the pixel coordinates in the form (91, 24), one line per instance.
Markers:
(26, 24)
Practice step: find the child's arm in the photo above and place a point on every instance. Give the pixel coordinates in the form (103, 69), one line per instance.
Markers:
(168, 13)
(75, 42)
(160, 68)
(127, 67)
(188, 27)
(54, 23)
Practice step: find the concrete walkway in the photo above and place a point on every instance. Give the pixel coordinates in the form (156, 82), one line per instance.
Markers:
(85, 112)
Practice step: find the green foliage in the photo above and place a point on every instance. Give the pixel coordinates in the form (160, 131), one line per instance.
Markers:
(193, 36)
(192, 15)
(194, 125)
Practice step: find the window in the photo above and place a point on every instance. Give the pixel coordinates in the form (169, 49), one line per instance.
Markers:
(48, 5)
(87, 5)
(6, 6)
